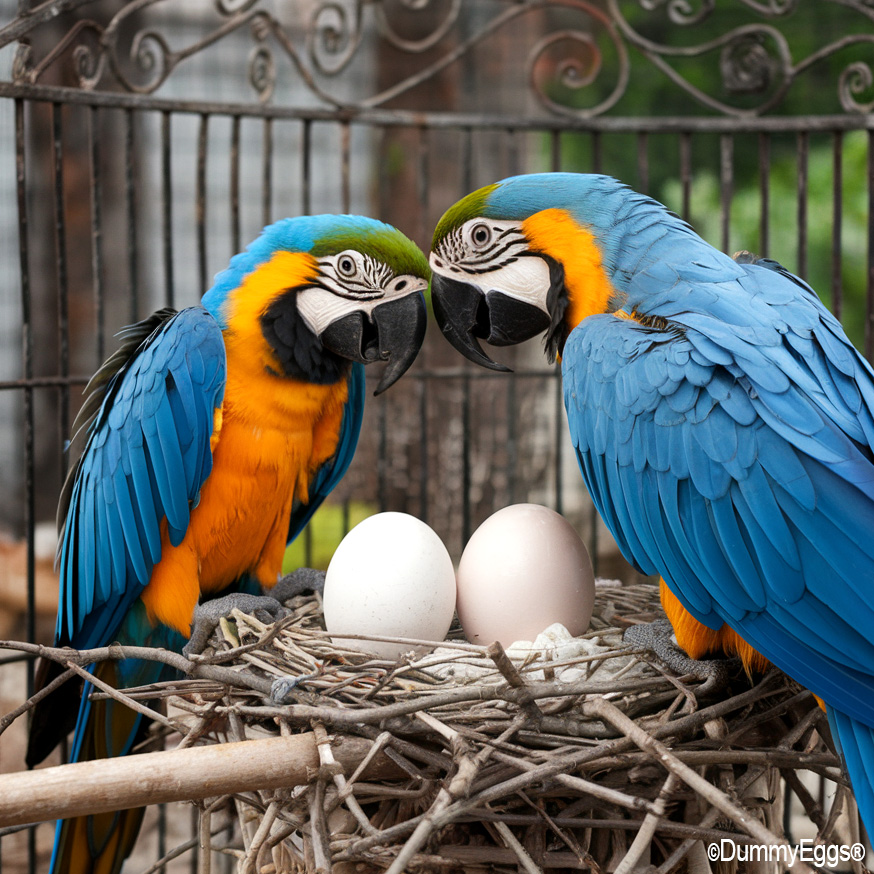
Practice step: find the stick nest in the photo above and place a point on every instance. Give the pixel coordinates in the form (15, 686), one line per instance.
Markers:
(589, 762)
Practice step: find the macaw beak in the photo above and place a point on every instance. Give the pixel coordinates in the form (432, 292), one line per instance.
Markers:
(464, 313)
(392, 331)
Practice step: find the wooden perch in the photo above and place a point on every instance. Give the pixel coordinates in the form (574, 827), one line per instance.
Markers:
(175, 775)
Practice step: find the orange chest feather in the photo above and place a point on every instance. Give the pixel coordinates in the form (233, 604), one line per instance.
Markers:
(275, 434)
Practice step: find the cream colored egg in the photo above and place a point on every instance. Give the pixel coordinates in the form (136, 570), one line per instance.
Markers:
(523, 569)
(391, 576)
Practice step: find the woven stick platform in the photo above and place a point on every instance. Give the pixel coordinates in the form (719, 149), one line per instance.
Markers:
(604, 761)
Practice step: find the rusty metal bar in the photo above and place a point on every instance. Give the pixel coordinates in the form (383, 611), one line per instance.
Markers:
(167, 207)
(345, 184)
(97, 232)
(686, 174)
(456, 120)
(235, 184)
(306, 136)
(200, 204)
(130, 204)
(803, 153)
(642, 162)
(726, 187)
(62, 279)
(267, 173)
(869, 296)
(764, 193)
(837, 223)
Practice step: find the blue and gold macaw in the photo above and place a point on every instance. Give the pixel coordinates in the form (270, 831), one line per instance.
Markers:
(723, 422)
(210, 438)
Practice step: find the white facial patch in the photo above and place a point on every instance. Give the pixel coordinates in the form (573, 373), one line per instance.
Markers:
(319, 307)
(494, 255)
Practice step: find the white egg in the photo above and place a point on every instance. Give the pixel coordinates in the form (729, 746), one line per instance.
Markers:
(391, 576)
(523, 569)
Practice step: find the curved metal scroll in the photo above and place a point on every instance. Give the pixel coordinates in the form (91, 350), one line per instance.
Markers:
(577, 62)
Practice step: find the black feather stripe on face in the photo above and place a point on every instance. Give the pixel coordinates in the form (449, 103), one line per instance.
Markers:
(298, 350)
(557, 301)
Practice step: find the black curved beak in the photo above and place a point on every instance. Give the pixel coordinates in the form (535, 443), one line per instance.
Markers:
(465, 313)
(393, 332)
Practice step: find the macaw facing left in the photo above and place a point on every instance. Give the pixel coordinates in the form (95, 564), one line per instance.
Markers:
(210, 438)
(723, 422)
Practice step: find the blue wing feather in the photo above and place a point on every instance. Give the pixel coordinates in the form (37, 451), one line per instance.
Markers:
(762, 509)
(145, 458)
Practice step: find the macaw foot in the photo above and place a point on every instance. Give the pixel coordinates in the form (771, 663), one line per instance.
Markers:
(658, 637)
(304, 579)
(208, 615)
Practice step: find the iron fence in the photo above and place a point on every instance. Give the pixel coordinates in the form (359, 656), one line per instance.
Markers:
(143, 143)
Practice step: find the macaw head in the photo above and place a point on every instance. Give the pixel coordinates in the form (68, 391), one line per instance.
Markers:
(526, 255)
(314, 293)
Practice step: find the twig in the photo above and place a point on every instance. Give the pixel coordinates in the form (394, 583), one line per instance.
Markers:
(605, 710)
(644, 836)
(510, 840)
(119, 696)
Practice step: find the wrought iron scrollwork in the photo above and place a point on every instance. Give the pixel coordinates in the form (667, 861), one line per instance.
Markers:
(577, 62)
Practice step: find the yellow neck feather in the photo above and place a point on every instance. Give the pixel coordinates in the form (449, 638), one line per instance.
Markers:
(557, 234)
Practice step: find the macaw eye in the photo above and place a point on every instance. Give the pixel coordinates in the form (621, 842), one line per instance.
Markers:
(346, 266)
(480, 235)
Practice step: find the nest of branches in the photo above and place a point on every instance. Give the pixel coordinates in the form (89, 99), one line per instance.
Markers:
(602, 759)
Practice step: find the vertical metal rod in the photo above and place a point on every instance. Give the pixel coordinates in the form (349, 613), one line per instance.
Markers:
(423, 228)
(512, 137)
(764, 192)
(559, 441)
(235, 184)
(200, 203)
(167, 207)
(555, 151)
(467, 185)
(27, 373)
(837, 227)
(423, 231)
(643, 162)
(686, 174)
(29, 510)
(869, 298)
(267, 173)
(512, 438)
(382, 457)
(306, 136)
(97, 232)
(130, 201)
(726, 177)
(345, 185)
(803, 155)
(62, 277)
(424, 467)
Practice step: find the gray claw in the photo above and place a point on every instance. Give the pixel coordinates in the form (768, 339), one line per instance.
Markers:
(208, 615)
(658, 638)
(304, 579)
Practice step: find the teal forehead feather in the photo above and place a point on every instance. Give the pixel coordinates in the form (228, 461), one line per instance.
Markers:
(318, 235)
(516, 198)
(376, 239)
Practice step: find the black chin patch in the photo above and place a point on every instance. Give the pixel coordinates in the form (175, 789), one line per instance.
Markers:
(556, 303)
(298, 350)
